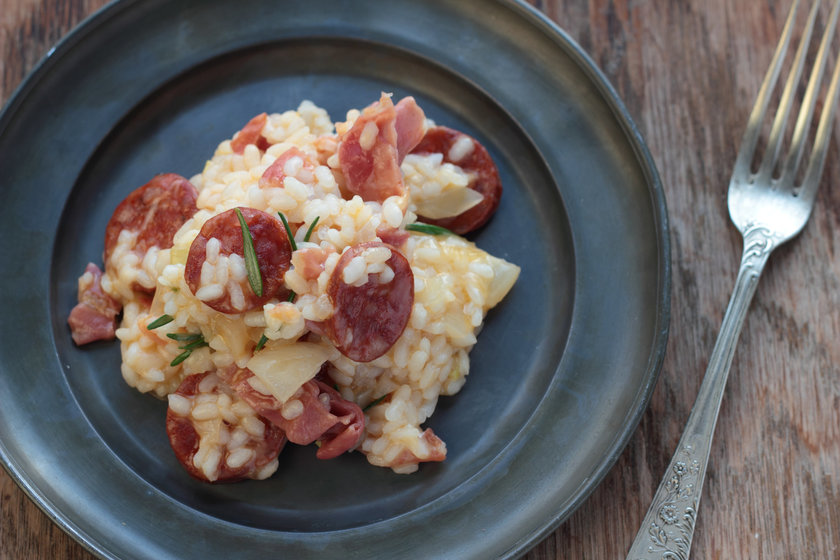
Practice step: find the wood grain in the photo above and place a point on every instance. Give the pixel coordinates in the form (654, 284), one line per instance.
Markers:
(688, 71)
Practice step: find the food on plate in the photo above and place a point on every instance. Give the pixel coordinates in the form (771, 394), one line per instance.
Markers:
(288, 292)
(476, 203)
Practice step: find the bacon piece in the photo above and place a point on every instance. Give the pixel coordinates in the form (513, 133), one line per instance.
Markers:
(370, 152)
(437, 452)
(276, 172)
(95, 316)
(392, 236)
(326, 416)
(309, 261)
(410, 126)
(251, 133)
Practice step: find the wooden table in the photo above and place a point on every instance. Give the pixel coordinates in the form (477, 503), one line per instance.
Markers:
(688, 71)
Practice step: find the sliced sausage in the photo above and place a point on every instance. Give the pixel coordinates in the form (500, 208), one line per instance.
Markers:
(219, 438)
(155, 211)
(371, 309)
(251, 133)
(466, 152)
(225, 288)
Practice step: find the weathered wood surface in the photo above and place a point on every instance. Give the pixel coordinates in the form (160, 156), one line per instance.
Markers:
(688, 71)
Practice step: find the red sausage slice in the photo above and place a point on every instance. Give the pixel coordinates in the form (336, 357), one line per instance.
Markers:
(271, 244)
(368, 319)
(156, 211)
(251, 133)
(220, 439)
(323, 415)
(477, 161)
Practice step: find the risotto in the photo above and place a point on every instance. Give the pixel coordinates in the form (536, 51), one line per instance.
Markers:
(310, 285)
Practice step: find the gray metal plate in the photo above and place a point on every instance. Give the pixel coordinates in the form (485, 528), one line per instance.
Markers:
(564, 366)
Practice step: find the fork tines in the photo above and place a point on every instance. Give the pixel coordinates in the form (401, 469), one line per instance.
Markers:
(768, 164)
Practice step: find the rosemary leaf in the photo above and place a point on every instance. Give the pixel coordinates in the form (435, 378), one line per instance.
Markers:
(292, 296)
(428, 228)
(184, 337)
(288, 231)
(311, 228)
(195, 344)
(180, 358)
(160, 321)
(252, 265)
(375, 402)
(261, 343)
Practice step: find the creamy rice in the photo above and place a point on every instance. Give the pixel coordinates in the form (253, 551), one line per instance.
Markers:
(455, 284)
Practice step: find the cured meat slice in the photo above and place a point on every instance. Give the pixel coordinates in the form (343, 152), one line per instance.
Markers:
(410, 126)
(392, 236)
(154, 213)
(216, 436)
(372, 293)
(370, 152)
(251, 133)
(215, 269)
(434, 447)
(466, 152)
(316, 412)
(278, 171)
(95, 316)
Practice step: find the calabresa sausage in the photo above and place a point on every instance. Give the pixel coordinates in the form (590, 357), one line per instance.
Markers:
(369, 316)
(219, 438)
(155, 212)
(271, 245)
(473, 158)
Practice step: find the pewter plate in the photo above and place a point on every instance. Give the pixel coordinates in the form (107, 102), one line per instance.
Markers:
(564, 366)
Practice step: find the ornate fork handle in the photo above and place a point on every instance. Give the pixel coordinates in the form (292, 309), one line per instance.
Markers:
(668, 527)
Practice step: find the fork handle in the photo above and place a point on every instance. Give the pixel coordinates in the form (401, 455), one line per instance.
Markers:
(668, 526)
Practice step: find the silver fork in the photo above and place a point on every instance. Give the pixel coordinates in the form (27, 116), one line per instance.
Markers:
(768, 210)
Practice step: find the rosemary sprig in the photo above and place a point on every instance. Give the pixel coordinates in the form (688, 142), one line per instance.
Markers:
(195, 344)
(180, 358)
(184, 337)
(428, 228)
(193, 341)
(160, 321)
(311, 228)
(375, 402)
(288, 231)
(252, 265)
(261, 343)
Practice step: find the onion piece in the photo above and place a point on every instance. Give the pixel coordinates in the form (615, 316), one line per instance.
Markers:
(283, 367)
(450, 202)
